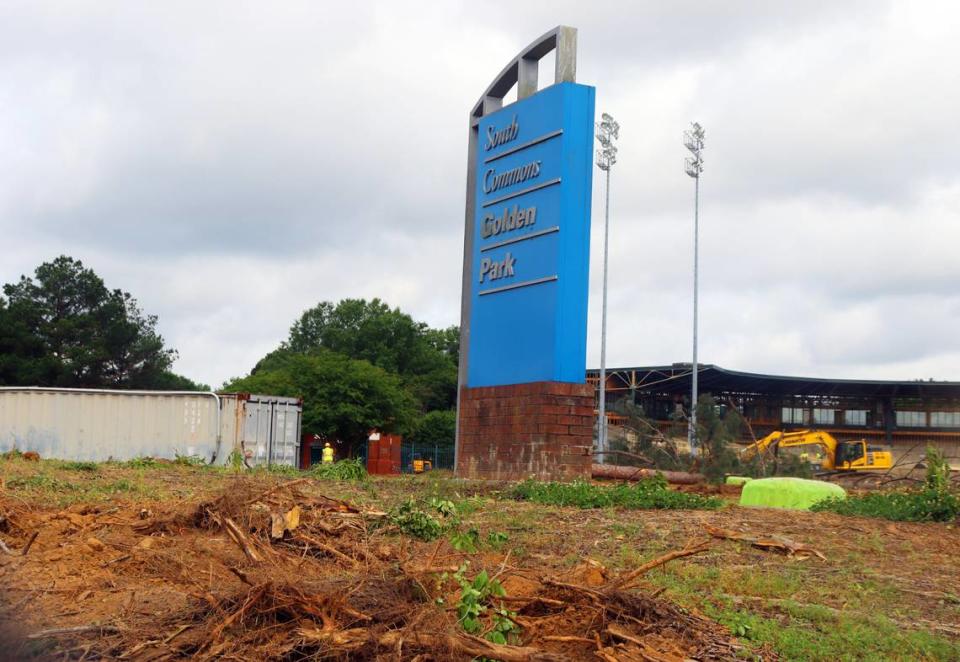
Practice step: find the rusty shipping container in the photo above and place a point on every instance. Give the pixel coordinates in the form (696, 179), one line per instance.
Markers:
(383, 454)
(98, 425)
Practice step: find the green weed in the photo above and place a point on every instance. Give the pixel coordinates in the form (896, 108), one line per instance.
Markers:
(897, 506)
(465, 541)
(188, 460)
(80, 466)
(235, 460)
(41, 482)
(279, 469)
(935, 502)
(650, 493)
(497, 539)
(476, 598)
(352, 469)
(145, 462)
(415, 521)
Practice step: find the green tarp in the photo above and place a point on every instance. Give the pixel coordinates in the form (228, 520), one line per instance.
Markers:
(796, 493)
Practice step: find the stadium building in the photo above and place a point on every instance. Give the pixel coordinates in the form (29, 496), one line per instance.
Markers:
(903, 415)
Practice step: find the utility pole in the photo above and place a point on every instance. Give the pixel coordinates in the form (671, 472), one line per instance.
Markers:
(693, 140)
(608, 130)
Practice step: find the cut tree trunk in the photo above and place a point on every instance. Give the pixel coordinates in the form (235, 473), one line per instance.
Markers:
(636, 473)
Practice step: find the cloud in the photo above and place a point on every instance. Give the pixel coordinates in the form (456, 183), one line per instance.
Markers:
(233, 164)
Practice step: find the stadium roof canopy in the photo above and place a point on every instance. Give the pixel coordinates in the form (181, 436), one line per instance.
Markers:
(675, 378)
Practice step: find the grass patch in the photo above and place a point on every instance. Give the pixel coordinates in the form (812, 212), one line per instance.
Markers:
(65, 492)
(41, 482)
(809, 633)
(800, 630)
(648, 494)
(276, 469)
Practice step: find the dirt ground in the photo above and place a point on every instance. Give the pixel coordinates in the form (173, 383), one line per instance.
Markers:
(160, 562)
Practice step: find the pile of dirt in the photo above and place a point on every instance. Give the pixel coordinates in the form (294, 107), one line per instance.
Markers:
(288, 573)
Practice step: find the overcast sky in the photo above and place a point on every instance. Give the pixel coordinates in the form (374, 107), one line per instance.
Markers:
(232, 164)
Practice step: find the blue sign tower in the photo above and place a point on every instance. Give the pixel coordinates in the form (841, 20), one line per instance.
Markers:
(531, 243)
(523, 407)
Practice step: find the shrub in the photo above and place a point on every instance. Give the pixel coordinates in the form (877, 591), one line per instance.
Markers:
(352, 469)
(649, 493)
(416, 519)
(415, 522)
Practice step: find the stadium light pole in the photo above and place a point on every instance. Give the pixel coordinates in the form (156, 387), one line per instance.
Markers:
(693, 141)
(608, 130)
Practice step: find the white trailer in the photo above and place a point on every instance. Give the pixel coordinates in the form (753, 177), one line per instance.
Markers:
(99, 425)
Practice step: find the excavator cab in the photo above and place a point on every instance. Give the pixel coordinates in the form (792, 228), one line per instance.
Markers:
(850, 454)
(858, 455)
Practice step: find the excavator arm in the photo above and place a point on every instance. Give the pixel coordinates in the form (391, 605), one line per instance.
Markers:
(797, 438)
(760, 446)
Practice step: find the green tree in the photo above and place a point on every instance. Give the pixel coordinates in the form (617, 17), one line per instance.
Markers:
(717, 426)
(446, 341)
(425, 359)
(436, 428)
(342, 397)
(64, 327)
(23, 357)
(171, 381)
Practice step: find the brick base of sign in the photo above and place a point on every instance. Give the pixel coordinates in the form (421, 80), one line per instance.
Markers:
(540, 429)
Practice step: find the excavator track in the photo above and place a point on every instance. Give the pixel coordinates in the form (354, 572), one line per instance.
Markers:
(853, 479)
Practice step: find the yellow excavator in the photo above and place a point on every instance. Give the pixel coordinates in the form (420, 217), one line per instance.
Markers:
(833, 455)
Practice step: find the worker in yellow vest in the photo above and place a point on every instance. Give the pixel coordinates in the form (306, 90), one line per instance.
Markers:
(327, 456)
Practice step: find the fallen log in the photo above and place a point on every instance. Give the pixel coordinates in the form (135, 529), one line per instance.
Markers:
(635, 473)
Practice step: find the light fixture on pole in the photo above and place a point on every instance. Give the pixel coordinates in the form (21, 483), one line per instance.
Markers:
(693, 140)
(608, 130)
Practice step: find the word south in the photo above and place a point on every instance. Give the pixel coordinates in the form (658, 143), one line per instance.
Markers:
(496, 269)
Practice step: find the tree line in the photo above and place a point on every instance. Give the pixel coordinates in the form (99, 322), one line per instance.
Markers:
(357, 364)
(360, 365)
(64, 327)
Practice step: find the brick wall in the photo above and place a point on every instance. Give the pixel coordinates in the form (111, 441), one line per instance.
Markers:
(541, 429)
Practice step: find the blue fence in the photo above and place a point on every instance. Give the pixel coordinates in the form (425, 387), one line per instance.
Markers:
(440, 456)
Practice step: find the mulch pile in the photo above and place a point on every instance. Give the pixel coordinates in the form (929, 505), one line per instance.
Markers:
(288, 573)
